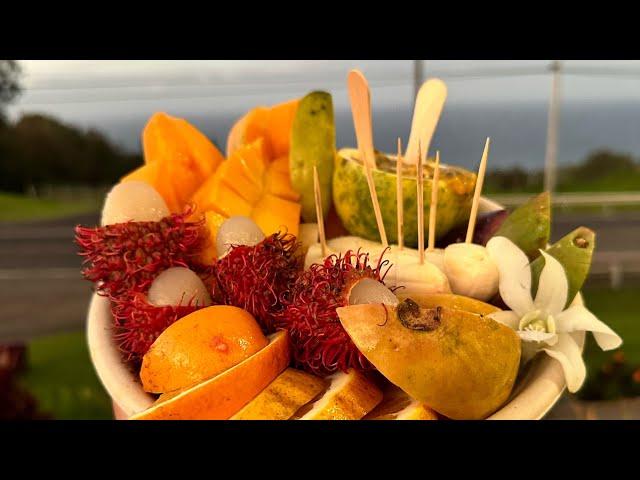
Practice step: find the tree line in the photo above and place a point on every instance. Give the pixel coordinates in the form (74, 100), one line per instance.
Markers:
(39, 149)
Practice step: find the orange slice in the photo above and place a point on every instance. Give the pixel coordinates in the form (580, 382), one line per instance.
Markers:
(196, 347)
(224, 395)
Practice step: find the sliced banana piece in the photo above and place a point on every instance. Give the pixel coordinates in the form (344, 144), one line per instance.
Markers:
(349, 397)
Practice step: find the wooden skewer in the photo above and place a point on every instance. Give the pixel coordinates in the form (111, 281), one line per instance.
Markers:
(433, 208)
(320, 218)
(426, 113)
(361, 111)
(400, 196)
(420, 195)
(478, 191)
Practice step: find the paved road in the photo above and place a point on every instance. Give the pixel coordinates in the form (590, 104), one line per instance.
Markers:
(41, 290)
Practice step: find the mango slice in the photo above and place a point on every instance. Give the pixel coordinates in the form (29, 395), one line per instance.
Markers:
(279, 125)
(273, 214)
(178, 159)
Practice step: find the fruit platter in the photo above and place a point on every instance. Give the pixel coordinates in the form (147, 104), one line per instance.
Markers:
(292, 279)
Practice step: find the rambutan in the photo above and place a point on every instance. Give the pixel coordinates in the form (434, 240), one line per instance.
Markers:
(255, 277)
(137, 323)
(320, 344)
(124, 258)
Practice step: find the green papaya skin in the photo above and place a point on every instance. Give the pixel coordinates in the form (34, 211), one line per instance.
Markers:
(529, 225)
(313, 143)
(574, 252)
(354, 207)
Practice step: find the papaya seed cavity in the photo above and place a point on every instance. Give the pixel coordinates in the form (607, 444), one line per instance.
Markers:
(415, 318)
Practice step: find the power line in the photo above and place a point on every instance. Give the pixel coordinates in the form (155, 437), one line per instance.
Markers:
(189, 97)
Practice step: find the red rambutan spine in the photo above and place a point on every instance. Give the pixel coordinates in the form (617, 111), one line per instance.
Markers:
(126, 257)
(320, 344)
(255, 277)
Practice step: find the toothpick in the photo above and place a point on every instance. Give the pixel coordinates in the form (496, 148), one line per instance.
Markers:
(420, 194)
(400, 196)
(361, 110)
(478, 191)
(433, 207)
(376, 208)
(320, 217)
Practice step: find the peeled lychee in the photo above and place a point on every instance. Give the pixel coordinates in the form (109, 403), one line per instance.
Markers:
(237, 230)
(368, 290)
(178, 286)
(471, 271)
(133, 201)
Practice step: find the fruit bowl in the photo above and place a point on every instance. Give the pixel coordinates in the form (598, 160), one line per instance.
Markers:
(537, 389)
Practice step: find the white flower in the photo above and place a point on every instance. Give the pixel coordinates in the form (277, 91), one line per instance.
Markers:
(543, 323)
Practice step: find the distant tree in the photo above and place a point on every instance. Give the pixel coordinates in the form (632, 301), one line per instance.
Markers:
(39, 150)
(10, 88)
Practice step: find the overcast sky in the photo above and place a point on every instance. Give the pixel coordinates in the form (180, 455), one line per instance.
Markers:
(82, 85)
(117, 97)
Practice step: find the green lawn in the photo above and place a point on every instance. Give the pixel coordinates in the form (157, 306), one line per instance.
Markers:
(15, 208)
(619, 310)
(60, 375)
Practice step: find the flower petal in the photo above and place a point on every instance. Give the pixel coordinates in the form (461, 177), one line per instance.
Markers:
(515, 274)
(537, 336)
(553, 287)
(567, 352)
(506, 317)
(579, 318)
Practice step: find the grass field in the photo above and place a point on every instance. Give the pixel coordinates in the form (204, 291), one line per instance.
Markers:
(619, 310)
(16, 208)
(62, 378)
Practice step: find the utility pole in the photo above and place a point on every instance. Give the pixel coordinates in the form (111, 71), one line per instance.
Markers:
(418, 77)
(551, 155)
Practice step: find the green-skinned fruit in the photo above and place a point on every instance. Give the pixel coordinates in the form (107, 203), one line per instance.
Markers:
(461, 364)
(313, 143)
(529, 225)
(574, 252)
(353, 202)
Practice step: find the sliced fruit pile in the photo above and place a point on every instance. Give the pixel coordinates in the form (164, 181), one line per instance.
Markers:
(213, 300)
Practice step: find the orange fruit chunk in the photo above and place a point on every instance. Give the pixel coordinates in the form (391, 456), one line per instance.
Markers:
(185, 157)
(250, 127)
(196, 347)
(225, 394)
(279, 125)
(273, 214)
(213, 221)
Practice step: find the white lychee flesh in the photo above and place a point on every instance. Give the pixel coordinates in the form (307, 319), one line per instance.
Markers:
(133, 201)
(471, 271)
(369, 290)
(237, 230)
(178, 286)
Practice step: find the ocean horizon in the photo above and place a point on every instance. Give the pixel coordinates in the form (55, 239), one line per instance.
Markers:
(518, 131)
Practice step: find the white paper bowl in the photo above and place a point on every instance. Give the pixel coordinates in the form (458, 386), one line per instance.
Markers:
(536, 391)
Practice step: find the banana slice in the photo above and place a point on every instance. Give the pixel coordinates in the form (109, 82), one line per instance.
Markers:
(398, 405)
(283, 397)
(349, 397)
